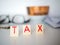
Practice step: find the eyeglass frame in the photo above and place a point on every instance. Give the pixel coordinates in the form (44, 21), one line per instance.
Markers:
(12, 21)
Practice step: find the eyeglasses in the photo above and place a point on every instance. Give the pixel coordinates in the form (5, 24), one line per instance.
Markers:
(18, 19)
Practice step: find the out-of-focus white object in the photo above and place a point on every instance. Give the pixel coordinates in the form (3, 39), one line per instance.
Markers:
(54, 21)
(37, 19)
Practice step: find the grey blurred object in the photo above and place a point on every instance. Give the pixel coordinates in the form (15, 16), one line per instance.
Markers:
(53, 21)
(19, 19)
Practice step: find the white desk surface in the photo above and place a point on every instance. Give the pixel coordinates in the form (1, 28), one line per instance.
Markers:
(51, 36)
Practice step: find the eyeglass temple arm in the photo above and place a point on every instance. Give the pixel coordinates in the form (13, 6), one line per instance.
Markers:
(2, 21)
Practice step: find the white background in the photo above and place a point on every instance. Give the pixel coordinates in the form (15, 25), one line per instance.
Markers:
(20, 6)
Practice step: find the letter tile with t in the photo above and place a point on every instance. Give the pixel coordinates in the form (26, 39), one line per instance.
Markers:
(14, 31)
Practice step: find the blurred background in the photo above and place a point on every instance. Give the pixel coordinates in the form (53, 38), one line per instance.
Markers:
(41, 9)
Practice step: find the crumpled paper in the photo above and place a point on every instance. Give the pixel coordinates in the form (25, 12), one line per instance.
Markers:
(53, 21)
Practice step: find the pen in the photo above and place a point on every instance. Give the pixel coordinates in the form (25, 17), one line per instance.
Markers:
(5, 27)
